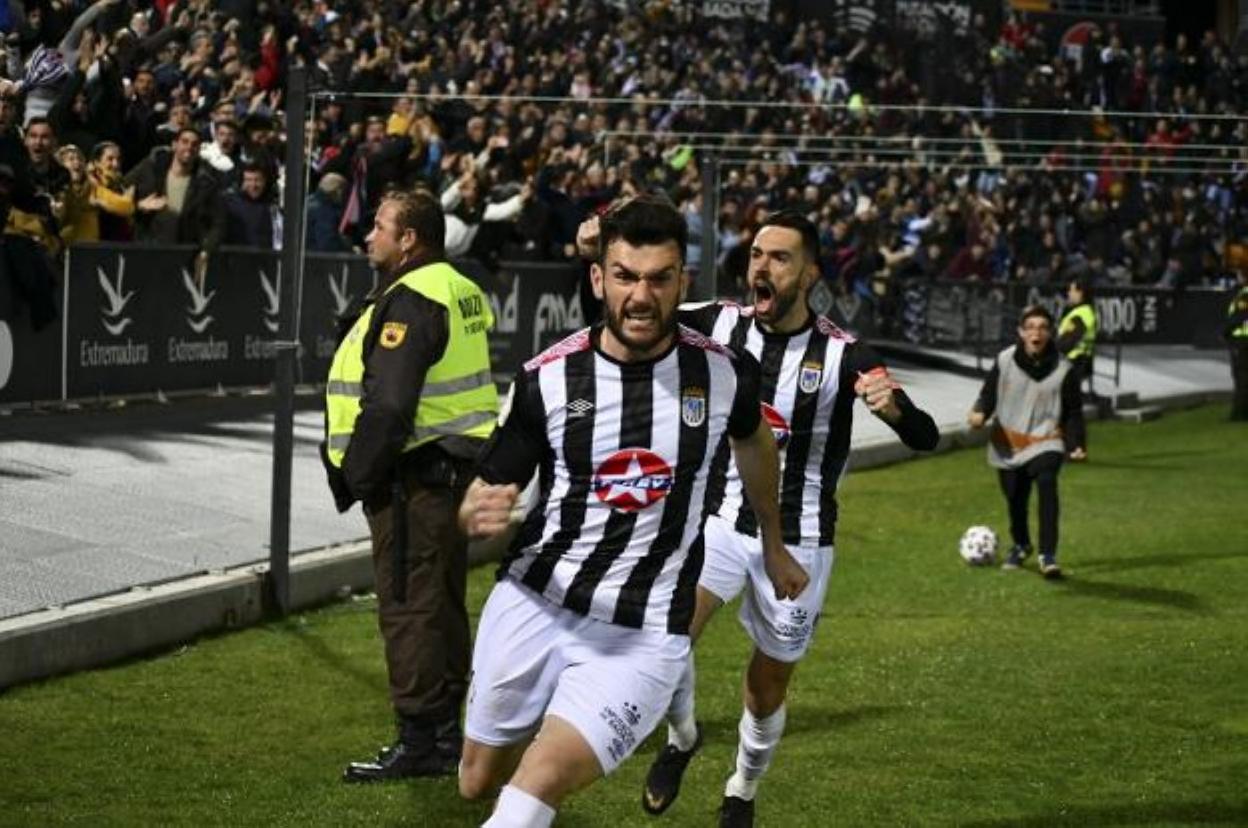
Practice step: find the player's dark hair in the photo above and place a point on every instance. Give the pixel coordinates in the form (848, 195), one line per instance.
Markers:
(794, 220)
(645, 219)
(1034, 311)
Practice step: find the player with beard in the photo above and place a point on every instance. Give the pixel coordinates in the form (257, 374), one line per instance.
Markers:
(811, 374)
(584, 638)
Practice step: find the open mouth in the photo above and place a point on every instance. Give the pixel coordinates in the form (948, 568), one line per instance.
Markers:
(640, 319)
(764, 298)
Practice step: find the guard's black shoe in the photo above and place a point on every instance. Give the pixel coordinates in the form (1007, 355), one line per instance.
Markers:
(663, 780)
(1049, 568)
(735, 812)
(448, 738)
(402, 761)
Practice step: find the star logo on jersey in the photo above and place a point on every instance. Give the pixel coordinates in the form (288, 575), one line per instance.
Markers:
(693, 407)
(779, 425)
(808, 379)
(633, 479)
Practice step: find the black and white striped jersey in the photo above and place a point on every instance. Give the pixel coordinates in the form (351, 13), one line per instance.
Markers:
(807, 390)
(624, 452)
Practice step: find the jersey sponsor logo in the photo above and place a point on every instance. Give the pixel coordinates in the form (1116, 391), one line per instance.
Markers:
(808, 379)
(779, 425)
(392, 335)
(633, 479)
(579, 408)
(693, 407)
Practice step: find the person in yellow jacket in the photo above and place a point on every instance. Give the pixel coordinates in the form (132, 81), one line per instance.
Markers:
(1236, 333)
(115, 204)
(409, 403)
(1076, 339)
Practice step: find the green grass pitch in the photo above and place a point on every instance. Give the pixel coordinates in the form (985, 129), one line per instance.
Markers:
(935, 694)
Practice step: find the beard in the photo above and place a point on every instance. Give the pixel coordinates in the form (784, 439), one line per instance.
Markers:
(772, 304)
(640, 329)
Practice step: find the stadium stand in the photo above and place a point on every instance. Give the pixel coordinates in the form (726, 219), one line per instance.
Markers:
(993, 154)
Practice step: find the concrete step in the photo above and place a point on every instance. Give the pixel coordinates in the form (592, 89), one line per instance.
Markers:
(1124, 399)
(1142, 414)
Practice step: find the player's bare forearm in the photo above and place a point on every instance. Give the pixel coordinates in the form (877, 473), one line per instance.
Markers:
(758, 463)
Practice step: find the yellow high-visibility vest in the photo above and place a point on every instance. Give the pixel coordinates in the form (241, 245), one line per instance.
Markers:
(1241, 299)
(1087, 315)
(458, 397)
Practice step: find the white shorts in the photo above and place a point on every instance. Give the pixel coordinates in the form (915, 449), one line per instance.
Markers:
(532, 658)
(781, 629)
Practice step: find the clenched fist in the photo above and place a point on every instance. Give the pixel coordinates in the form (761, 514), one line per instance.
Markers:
(876, 388)
(486, 510)
(787, 576)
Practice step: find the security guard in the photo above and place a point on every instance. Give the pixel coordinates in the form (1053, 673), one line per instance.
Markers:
(1236, 332)
(408, 404)
(1076, 339)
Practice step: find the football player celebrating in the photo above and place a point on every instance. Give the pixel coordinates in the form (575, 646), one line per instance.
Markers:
(586, 634)
(811, 373)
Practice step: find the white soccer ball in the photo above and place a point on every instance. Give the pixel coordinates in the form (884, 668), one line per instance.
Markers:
(978, 546)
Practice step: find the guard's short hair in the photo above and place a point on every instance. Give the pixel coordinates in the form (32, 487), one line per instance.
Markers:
(645, 219)
(1084, 284)
(1035, 311)
(794, 220)
(420, 212)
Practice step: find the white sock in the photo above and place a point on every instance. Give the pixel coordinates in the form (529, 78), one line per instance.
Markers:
(519, 809)
(682, 730)
(759, 738)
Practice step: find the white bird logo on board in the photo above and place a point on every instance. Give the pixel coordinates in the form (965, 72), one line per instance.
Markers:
(116, 299)
(196, 319)
(338, 289)
(273, 302)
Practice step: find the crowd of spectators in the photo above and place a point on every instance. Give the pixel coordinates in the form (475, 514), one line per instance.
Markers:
(162, 122)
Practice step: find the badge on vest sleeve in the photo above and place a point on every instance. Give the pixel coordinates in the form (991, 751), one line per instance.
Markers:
(693, 407)
(392, 334)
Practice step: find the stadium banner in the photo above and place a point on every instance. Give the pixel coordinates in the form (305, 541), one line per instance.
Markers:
(140, 319)
(928, 18)
(961, 313)
(137, 319)
(334, 285)
(737, 9)
(30, 360)
(535, 304)
(1145, 315)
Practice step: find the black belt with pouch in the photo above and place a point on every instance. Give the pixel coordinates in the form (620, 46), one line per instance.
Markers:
(431, 467)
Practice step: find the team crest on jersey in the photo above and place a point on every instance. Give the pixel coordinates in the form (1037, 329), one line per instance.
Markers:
(779, 426)
(392, 335)
(808, 379)
(693, 407)
(633, 479)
